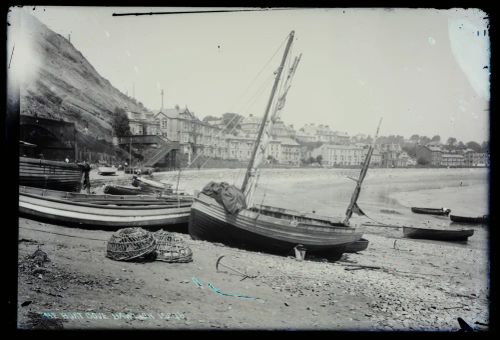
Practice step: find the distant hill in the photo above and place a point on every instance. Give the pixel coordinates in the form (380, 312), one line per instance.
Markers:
(66, 86)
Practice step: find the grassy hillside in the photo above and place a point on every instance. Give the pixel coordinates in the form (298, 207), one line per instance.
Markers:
(65, 85)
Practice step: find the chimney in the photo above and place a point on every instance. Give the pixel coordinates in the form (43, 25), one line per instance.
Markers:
(161, 100)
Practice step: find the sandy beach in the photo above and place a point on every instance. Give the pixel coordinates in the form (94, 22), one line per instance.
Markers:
(395, 284)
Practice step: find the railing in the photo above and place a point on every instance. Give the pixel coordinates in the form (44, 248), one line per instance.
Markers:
(158, 155)
(145, 139)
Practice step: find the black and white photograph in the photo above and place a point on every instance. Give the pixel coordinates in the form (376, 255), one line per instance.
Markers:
(250, 168)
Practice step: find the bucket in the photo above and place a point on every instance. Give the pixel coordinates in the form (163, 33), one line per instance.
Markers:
(300, 252)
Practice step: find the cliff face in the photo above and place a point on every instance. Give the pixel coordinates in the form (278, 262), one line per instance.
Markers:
(64, 85)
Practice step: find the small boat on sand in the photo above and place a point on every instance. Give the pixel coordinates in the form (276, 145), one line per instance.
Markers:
(106, 171)
(438, 234)
(431, 211)
(149, 185)
(469, 220)
(103, 211)
(115, 189)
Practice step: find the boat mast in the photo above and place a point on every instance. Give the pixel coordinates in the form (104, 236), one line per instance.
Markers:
(251, 170)
(362, 174)
(266, 135)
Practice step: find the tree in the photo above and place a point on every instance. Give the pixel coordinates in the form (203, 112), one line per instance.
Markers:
(485, 147)
(120, 123)
(436, 138)
(424, 140)
(451, 141)
(411, 150)
(461, 145)
(474, 146)
(422, 161)
(319, 159)
(415, 138)
(231, 121)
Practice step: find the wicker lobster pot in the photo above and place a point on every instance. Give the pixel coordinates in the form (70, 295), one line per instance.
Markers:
(170, 248)
(130, 243)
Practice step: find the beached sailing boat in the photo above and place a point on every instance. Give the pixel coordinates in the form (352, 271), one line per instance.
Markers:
(223, 213)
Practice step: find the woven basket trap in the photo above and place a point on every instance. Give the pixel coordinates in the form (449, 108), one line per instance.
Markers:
(130, 243)
(170, 248)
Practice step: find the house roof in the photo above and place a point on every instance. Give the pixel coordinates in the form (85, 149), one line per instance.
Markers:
(343, 147)
(251, 120)
(175, 113)
(231, 137)
(450, 155)
(288, 141)
(434, 148)
(341, 134)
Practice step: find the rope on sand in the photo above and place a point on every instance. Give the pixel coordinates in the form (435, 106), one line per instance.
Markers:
(380, 224)
(199, 284)
(51, 232)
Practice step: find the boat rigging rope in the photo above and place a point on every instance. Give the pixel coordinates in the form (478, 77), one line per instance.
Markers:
(258, 74)
(199, 154)
(240, 118)
(248, 104)
(381, 224)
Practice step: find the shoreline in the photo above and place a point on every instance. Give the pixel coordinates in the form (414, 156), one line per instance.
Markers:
(395, 284)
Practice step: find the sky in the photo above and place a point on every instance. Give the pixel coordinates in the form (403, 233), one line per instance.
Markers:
(424, 71)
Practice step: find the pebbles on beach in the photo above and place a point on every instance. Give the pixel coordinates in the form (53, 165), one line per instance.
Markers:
(418, 285)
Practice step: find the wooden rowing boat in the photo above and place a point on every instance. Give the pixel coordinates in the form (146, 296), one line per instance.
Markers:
(438, 234)
(48, 174)
(108, 199)
(268, 230)
(102, 211)
(431, 211)
(106, 171)
(469, 220)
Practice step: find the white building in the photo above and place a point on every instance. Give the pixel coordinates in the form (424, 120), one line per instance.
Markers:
(337, 155)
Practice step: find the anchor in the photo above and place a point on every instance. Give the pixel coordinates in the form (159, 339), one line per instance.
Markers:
(218, 263)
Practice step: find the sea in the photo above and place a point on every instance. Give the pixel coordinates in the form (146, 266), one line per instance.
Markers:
(386, 196)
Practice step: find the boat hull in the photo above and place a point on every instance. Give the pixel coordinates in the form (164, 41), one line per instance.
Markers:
(430, 211)
(437, 234)
(251, 230)
(122, 190)
(108, 199)
(103, 216)
(106, 171)
(357, 246)
(469, 220)
(47, 174)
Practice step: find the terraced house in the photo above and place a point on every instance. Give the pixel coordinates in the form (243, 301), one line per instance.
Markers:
(452, 160)
(340, 155)
(143, 123)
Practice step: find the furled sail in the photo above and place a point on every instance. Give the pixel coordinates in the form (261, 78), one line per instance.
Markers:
(353, 205)
(266, 134)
